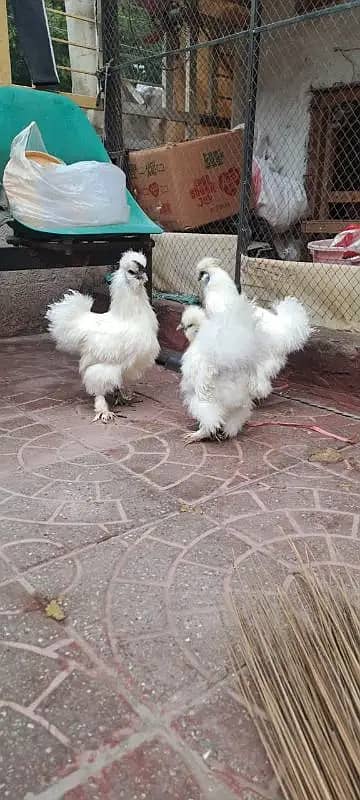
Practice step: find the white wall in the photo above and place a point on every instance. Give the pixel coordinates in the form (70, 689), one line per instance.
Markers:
(295, 60)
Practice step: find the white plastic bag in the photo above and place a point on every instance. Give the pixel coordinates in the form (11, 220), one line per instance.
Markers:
(50, 194)
(280, 200)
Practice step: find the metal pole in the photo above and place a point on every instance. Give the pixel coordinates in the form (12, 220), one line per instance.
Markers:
(111, 44)
(192, 35)
(250, 114)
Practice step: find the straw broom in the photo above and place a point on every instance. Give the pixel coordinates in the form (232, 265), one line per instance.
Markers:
(297, 666)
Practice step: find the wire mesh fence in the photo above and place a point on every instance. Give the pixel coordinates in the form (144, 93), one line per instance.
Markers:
(178, 87)
(305, 157)
(272, 90)
(238, 122)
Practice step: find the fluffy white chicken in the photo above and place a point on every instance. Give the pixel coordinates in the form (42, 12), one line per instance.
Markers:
(215, 370)
(282, 330)
(235, 349)
(116, 347)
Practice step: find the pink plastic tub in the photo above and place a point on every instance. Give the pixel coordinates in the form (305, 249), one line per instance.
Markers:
(321, 251)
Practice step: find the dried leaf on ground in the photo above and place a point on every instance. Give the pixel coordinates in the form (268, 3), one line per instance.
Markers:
(54, 611)
(184, 508)
(327, 456)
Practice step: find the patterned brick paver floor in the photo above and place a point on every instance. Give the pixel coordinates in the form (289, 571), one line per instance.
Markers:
(142, 540)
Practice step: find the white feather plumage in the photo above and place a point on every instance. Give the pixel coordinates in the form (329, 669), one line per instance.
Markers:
(116, 347)
(280, 331)
(286, 329)
(215, 370)
(235, 349)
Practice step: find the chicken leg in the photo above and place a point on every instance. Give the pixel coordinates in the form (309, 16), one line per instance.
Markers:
(102, 411)
(197, 436)
(236, 420)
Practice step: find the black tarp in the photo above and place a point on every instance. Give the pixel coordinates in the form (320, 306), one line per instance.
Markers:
(34, 37)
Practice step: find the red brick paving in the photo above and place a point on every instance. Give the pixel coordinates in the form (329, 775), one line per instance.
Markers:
(143, 540)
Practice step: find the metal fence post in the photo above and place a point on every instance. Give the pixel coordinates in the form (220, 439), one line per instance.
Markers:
(250, 114)
(111, 44)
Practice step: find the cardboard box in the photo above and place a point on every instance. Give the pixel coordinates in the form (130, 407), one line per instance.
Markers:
(189, 184)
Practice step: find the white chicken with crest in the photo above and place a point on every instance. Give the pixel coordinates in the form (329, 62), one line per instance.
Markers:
(236, 348)
(282, 330)
(117, 347)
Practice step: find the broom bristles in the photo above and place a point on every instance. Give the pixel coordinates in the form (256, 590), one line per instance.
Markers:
(296, 659)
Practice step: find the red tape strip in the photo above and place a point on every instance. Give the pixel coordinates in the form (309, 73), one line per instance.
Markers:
(314, 428)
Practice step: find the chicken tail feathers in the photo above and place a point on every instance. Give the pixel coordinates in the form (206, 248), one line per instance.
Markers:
(65, 317)
(292, 328)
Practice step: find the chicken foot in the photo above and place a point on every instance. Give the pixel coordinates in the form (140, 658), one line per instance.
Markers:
(102, 411)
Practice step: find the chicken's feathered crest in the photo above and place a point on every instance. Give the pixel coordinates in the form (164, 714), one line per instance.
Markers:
(130, 277)
(191, 320)
(217, 291)
(132, 257)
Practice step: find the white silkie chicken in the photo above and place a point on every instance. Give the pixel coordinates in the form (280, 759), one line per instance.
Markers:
(282, 330)
(116, 347)
(215, 370)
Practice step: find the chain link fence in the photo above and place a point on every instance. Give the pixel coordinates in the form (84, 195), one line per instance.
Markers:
(272, 89)
(306, 156)
(238, 122)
